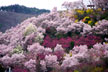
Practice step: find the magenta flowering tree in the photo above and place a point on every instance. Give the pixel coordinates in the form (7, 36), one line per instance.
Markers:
(89, 40)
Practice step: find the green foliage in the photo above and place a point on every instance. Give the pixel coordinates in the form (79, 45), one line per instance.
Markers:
(69, 34)
(51, 31)
(0, 25)
(60, 35)
(72, 45)
(2, 69)
(49, 69)
(106, 61)
(104, 15)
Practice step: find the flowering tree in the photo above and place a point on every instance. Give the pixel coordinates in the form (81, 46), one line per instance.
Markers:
(100, 3)
(33, 45)
(74, 5)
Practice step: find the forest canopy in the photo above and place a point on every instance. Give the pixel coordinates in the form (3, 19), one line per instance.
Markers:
(23, 9)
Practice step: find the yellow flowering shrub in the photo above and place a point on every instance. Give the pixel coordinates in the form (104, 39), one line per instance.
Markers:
(76, 20)
(86, 19)
(106, 42)
(89, 11)
(75, 16)
(80, 11)
(90, 22)
(97, 69)
(96, 23)
(76, 71)
(99, 9)
(89, 16)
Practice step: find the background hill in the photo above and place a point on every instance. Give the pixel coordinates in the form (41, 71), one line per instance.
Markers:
(23, 9)
(11, 19)
(12, 15)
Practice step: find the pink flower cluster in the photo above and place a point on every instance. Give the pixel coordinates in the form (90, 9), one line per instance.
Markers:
(89, 40)
(34, 51)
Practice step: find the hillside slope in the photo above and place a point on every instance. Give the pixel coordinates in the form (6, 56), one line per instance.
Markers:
(11, 19)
